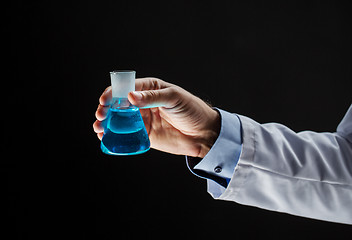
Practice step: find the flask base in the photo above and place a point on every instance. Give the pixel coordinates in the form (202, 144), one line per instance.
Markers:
(107, 151)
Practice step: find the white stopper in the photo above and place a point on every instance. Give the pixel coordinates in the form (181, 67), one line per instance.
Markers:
(122, 82)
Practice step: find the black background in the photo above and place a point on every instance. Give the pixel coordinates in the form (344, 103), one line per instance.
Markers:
(282, 62)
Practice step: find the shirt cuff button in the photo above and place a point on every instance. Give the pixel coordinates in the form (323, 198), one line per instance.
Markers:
(217, 169)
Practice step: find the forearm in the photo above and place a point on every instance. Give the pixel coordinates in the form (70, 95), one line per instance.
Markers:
(306, 174)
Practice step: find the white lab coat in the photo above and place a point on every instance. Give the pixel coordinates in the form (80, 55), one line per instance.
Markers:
(307, 174)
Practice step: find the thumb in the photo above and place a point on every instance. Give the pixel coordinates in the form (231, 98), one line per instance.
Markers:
(166, 97)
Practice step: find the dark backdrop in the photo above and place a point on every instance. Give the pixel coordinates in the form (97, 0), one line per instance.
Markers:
(283, 62)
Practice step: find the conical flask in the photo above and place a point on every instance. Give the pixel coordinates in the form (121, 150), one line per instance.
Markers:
(124, 130)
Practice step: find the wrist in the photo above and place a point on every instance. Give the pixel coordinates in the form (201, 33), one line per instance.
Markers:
(211, 132)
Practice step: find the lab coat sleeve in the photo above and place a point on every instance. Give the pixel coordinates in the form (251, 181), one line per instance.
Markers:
(307, 174)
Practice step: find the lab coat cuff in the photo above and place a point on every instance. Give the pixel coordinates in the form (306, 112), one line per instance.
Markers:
(246, 158)
(224, 153)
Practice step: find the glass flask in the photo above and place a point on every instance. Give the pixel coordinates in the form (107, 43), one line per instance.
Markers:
(124, 130)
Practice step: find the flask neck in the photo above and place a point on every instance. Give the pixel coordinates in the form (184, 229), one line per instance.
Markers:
(121, 103)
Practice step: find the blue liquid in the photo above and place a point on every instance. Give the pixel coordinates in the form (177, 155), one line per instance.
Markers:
(125, 133)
